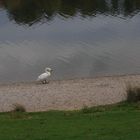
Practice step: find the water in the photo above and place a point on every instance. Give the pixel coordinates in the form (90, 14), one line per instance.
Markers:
(76, 38)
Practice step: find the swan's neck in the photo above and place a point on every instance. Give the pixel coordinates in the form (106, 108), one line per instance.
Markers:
(48, 72)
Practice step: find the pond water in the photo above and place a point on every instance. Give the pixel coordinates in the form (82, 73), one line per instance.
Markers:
(76, 38)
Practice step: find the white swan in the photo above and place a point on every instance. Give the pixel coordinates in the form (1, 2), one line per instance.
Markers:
(44, 76)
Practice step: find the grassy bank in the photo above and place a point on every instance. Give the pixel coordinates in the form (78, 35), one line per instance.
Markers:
(116, 122)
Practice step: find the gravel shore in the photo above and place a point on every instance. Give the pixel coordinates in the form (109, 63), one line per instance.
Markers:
(66, 94)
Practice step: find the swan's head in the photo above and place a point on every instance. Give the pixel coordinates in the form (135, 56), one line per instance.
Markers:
(48, 70)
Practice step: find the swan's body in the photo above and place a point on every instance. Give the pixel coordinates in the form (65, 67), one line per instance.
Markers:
(44, 76)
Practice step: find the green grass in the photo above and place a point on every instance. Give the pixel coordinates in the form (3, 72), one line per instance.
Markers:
(116, 122)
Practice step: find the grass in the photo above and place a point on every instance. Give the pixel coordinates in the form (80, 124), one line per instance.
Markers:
(113, 122)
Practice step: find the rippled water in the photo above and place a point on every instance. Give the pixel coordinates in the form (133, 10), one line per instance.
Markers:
(75, 38)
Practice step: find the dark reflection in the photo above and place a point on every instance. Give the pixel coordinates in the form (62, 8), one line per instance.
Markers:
(32, 11)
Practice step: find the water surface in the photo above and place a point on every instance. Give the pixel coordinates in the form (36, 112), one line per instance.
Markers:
(76, 38)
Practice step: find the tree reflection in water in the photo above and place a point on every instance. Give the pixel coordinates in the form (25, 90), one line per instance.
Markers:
(29, 12)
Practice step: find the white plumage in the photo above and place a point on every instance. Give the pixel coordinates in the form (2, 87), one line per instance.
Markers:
(44, 76)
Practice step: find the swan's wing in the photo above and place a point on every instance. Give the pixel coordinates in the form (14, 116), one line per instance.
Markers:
(43, 76)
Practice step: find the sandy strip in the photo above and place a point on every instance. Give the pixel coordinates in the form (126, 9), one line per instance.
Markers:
(66, 94)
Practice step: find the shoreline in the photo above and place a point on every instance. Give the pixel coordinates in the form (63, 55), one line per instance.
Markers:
(69, 94)
(69, 79)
